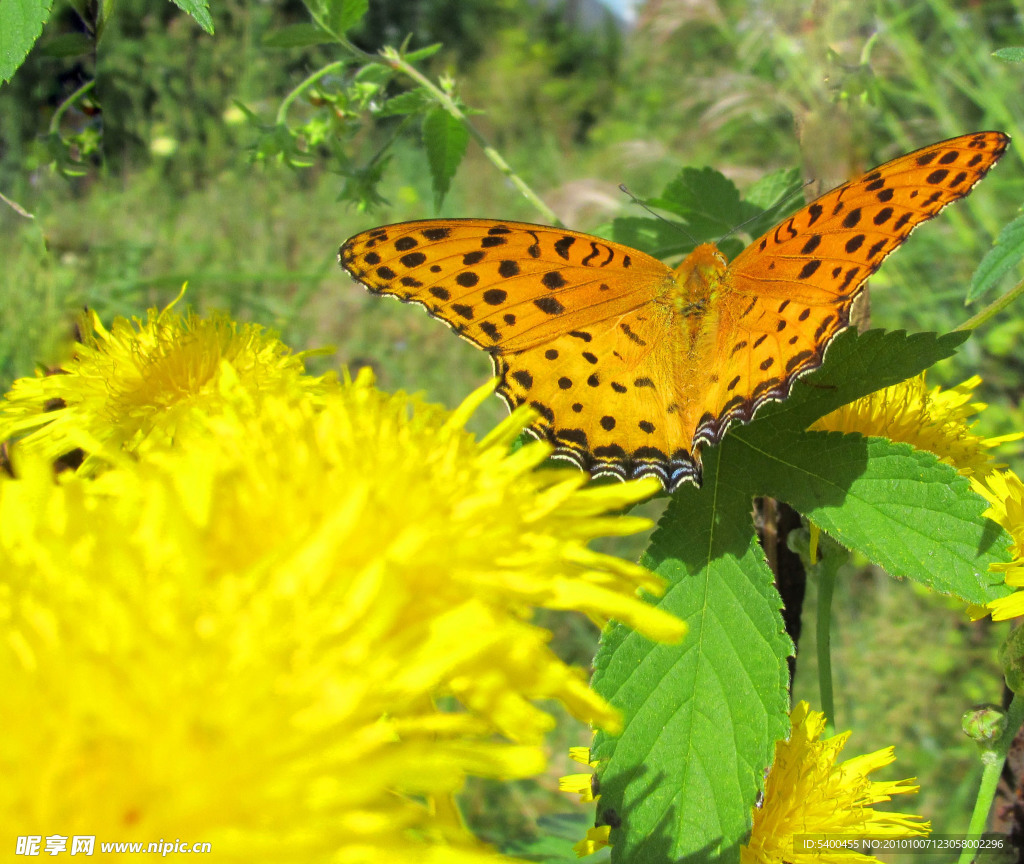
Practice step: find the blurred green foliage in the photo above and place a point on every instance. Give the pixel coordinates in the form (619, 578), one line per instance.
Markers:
(180, 164)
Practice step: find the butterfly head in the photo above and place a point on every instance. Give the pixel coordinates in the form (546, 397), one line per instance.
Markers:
(697, 278)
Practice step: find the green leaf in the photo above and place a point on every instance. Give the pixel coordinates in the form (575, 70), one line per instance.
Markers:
(1010, 55)
(654, 236)
(708, 201)
(445, 139)
(701, 717)
(775, 188)
(410, 102)
(199, 10)
(901, 508)
(777, 195)
(296, 36)
(423, 53)
(343, 15)
(21, 22)
(1004, 255)
(857, 364)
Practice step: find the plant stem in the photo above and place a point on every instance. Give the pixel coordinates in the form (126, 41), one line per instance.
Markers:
(286, 103)
(393, 59)
(992, 760)
(994, 308)
(397, 62)
(827, 568)
(67, 103)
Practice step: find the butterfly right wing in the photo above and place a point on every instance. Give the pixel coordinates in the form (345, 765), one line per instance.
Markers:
(791, 291)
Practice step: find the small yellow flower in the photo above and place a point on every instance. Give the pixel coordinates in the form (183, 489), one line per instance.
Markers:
(1004, 491)
(936, 421)
(808, 793)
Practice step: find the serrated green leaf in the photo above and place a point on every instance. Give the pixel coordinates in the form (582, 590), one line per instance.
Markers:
(410, 102)
(902, 508)
(857, 364)
(653, 236)
(708, 201)
(343, 15)
(21, 22)
(774, 188)
(296, 36)
(777, 195)
(424, 53)
(701, 717)
(199, 10)
(445, 139)
(374, 73)
(1004, 255)
(1013, 54)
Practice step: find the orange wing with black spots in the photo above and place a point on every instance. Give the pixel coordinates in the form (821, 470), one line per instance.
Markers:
(633, 366)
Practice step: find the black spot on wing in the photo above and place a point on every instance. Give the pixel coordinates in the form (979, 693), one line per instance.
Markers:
(809, 269)
(523, 378)
(549, 305)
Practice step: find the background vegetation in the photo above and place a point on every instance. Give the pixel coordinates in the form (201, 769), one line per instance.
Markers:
(171, 168)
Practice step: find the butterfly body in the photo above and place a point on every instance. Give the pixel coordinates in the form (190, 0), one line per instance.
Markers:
(633, 366)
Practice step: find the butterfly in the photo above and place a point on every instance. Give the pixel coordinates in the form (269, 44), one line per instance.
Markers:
(633, 366)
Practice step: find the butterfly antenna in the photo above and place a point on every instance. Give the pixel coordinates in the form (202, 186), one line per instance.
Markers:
(781, 202)
(678, 226)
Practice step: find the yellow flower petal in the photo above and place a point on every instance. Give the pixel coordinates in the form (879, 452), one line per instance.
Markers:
(144, 382)
(935, 420)
(1005, 493)
(808, 793)
(597, 838)
(272, 599)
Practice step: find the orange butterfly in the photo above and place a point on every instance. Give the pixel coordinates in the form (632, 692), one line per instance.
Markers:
(631, 365)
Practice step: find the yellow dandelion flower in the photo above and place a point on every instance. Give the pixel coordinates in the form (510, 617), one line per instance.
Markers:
(808, 793)
(935, 420)
(154, 691)
(143, 382)
(1004, 491)
(462, 532)
(241, 639)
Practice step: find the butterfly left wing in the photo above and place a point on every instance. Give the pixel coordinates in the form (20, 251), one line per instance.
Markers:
(504, 286)
(791, 291)
(569, 320)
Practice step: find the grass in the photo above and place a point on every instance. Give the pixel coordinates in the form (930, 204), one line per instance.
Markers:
(714, 84)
